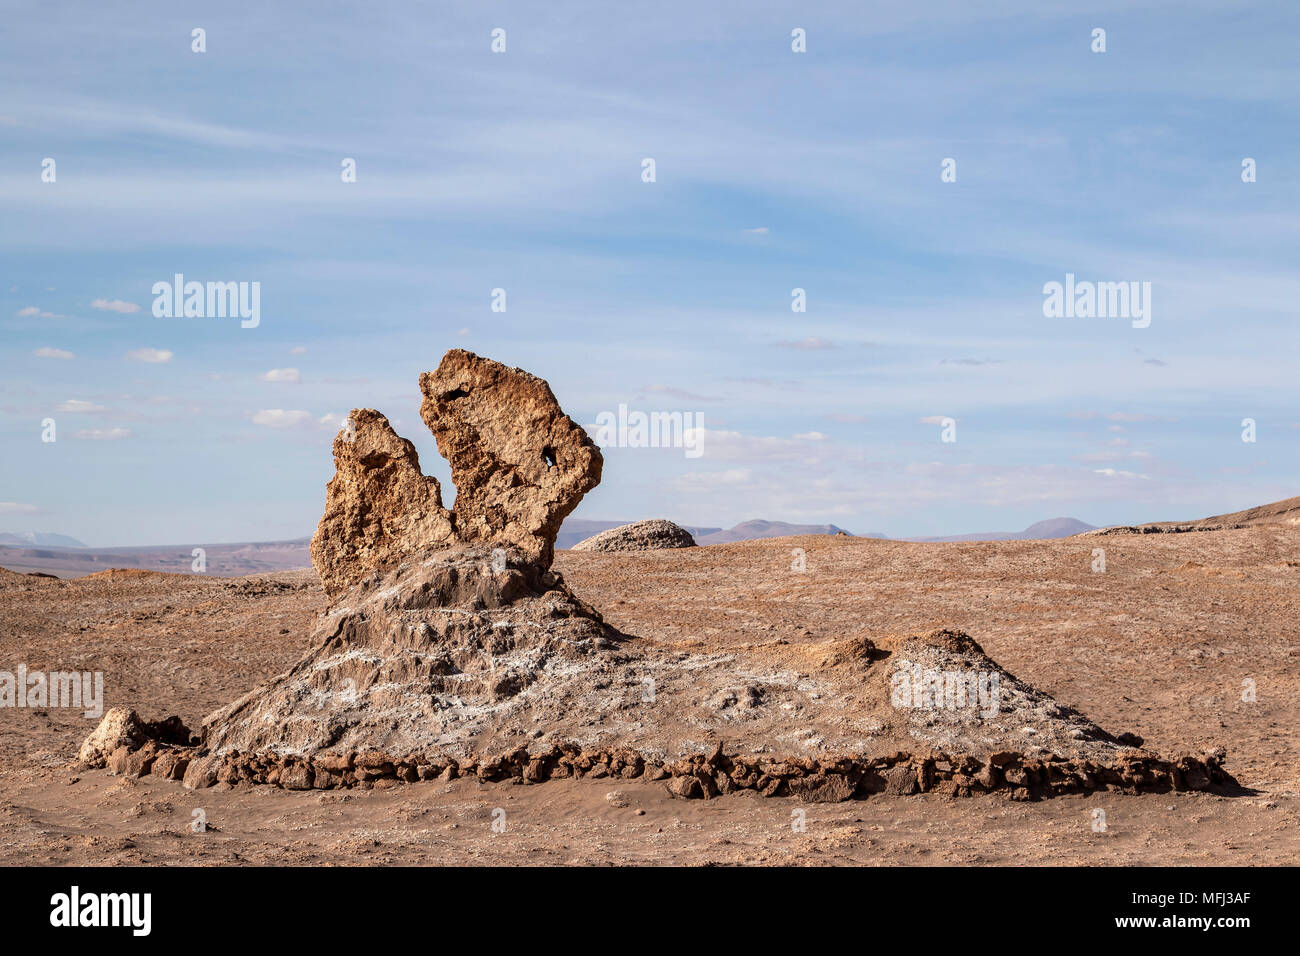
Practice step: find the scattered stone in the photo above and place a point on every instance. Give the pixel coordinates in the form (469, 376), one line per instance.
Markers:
(122, 727)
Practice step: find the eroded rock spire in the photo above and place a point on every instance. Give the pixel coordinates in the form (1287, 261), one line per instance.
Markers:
(520, 466)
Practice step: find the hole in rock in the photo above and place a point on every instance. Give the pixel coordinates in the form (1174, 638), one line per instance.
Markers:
(548, 456)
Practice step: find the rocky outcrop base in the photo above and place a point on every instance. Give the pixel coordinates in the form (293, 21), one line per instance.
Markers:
(812, 780)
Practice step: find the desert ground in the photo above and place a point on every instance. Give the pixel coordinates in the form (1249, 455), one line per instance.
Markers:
(1158, 644)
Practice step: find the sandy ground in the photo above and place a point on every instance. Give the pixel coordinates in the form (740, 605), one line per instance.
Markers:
(1159, 644)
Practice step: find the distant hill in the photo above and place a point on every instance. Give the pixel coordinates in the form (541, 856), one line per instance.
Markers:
(69, 558)
(1284, 512)
(39, 539)
(758, 528)
(226, 560)
(1049, 528)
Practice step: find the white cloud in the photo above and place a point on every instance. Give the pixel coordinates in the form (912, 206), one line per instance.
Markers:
(758, 231)
(115, 305)
(1122, 417)
(1093, 456)
(53, 353)
(1116, 473)
(152, 356)
(332, 420)
(679, 393)
(281, 375)
(103, 434)
(838, 489)
(298, 350)
(76, 405)
(281, 418)
(810, 344)
(32, 310)
(17, 508)
(936, 420)
(708, 480)
(733, 446)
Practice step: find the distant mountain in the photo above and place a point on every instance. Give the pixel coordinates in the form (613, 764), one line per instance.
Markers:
(68, 557)
(44, 539)
(758, 528)
(225, 560)
(1055, 528)
(1050, 528)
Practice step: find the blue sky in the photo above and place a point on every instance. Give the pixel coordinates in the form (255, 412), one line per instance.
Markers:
(775, 170)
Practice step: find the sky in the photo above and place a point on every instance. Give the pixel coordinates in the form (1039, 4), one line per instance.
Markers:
(774, 170)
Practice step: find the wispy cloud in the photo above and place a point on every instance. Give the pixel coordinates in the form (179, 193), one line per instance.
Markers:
(1118, 473)
(679, 393)
(151, 356)
(810, 344)
(103, 434)
(281, 418)
(115, 305)
(79, 406)
(281, 375)
(53, 353)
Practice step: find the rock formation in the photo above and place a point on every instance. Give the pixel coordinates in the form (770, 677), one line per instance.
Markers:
(451, 648)
(443, 621)
(639, 536)
(123, 731)
(380, 509)
(464, 646)
(520, 466)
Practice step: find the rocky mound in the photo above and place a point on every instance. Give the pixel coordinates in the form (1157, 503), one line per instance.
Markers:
(450, 647)
(465, 647)
(1285, 513)
(649, 535)
(565, 698)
